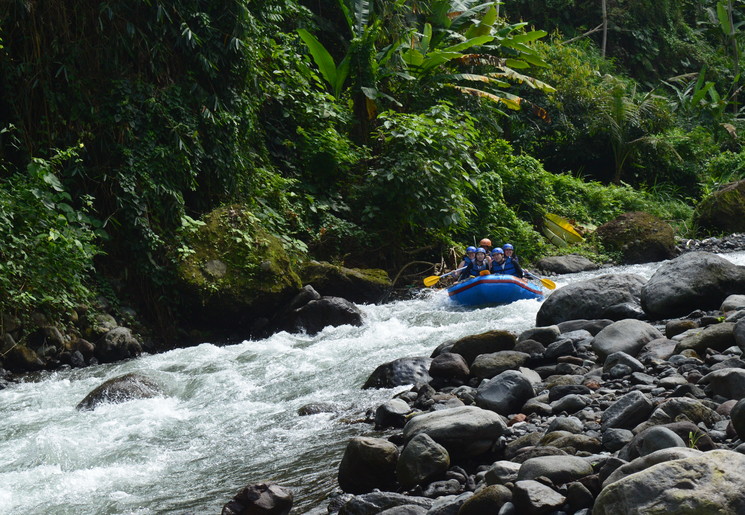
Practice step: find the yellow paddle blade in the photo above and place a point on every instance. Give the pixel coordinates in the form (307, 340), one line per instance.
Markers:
(431, 280)
(548, 283)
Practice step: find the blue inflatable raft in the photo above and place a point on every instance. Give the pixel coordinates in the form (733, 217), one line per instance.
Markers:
(491, 290)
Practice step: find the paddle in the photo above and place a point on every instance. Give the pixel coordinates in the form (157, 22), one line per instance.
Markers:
(548, 283)
(432, 279)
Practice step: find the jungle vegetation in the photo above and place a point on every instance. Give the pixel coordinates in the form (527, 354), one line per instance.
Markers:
(365, 132)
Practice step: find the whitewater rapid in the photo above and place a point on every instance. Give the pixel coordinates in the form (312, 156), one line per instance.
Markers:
(228, 417)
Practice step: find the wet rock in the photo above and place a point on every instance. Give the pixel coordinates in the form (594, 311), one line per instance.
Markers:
(484, 343)
(696, 280)
(486, 500)
(22, 359)
(568, 264)
(449, 365)
(315, 408)
(367, 464)
(639, 237)
(400, 372)
(307, 293)
(392, 413)
(486, 366)
(313, 316)
(260, 499)
(505, 393)
(627, 336)
(628, 411)
(706, 483)
(422, 460)
(121, 389)
(559, 469)
(533, 498)
(613, 296)
(354, 284)
(376, 502)
(544, 335)
(117, 344)
(591, 326)
(466, 430)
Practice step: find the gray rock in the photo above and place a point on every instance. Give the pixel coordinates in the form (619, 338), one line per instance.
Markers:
(739, 333)
(530, 347)
(621, 358)
(449, 504)
(409, 509)
(117, 344)
(659, 348)
(421, 461)
(570, 404)
(505, 393)
(563, 347)
(400, 372)
(263, 498)
(486, 500)
(449, 365)
(695, 280)
(314, 408)
(491, 341)
(733, 303)
(615, 438)
(679, 326)
(466, 430)
(717, 337)
(644, 462)
(727, 382)
(544, 335)
(569, 424)
(627, 336)
(707, 483)
(442, 488)
(313, 316)
(533, 498)
(121, 389)
(681, 408)
(737, 415)
(559, 469)
(559, 391)
(656, 438)
(628, 411)
(486, 366)
(367, 464)
(376, 502)
(614, 296)
(571, 443)
(392, 413)
(568, 264)
(591, 326)
(502, 472)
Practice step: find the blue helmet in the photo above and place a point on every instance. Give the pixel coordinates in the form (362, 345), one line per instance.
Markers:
(507, 246)
(480, 249)
(497, 250)
(470, 249)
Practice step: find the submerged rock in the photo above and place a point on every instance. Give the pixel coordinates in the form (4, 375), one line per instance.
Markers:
(121, 389)
(400, 372)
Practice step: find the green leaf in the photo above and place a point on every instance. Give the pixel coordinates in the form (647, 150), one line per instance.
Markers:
(465, 45)
(723, 16)
(321, 57)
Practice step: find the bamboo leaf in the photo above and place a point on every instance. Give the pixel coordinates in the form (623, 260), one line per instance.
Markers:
(321, 57)
(724, 19)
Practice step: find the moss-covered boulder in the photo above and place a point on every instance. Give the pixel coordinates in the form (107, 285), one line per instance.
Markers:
(723, 210)
(639, 237)
(357, 285)
(234, 271)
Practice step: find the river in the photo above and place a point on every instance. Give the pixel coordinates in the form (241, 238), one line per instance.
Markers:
(229, 416)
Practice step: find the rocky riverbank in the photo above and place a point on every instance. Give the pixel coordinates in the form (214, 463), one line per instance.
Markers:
(626, 398)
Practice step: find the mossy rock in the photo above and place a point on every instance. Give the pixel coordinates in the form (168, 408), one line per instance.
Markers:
(354, 284)
(236, 271)
(723, 211)
(639, 237)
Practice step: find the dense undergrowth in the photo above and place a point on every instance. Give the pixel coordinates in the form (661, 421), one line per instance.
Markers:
(367, 132)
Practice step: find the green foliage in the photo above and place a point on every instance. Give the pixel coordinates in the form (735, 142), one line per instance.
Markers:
(48, 241)
(722, 169)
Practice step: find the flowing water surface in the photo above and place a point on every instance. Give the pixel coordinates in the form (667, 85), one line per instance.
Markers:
(228, 417)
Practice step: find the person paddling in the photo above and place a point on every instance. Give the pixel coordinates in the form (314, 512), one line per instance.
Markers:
(466, 262)
(511, 265)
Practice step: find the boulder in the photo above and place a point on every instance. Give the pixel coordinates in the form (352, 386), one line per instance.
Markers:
(364, 286)
(612, 296)
(639, 237)
(591, 326)
(313, 316)
(488, 499)
(695, 280)
(708, 483)
(377, 502)
(644, 462)
(628, 411)
(505, 393)
(738, 418)
(121, 389)
(367, 464)
(534, 498)
(449, 365)
(392, 413)
(465, 430)
(260, 499)
(559, 469)
(628, 336)
(569, 264)
(421, 461)
(723, 210)
(484, 343)
(400, 372)
(20, 358)
(733, 303)
(117, 344)
(727, 382)
(486, 366)
(717, 336)
(237, 273)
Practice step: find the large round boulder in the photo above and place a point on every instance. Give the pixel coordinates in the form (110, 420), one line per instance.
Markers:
(723, 210)
(611, 296)
(367, 464)
(400, 372)
(484, 343)
(708, 483)
(236, 273)
(628, 336)
(357, 285)
(639, 237)
(465, 430)
(506, 393)
(121, 389)
(695, 280)
(569, 264)
(313, 316)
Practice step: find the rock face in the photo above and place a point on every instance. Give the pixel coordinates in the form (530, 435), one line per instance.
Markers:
(121, 389)
(399, 372)
(723, 210)
(260, 499)
(696, 280)
(368, 463)
(639, 237)
(612, 296)
(569, 264)
(356, 285)
(709, 483)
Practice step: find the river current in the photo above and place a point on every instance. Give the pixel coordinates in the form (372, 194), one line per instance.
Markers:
(229, 414)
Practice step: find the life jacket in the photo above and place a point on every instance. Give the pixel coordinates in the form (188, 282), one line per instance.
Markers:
(466, 272)
(509, 267)
(497, 268)
(476, 268)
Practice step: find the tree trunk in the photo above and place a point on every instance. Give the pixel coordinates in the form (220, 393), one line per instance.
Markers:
(605, 25)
